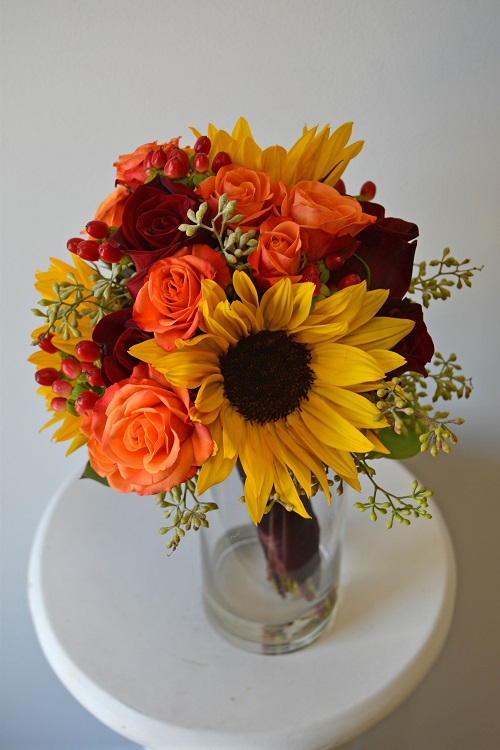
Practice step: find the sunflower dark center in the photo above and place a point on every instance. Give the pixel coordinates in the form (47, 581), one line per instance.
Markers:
(266, 375)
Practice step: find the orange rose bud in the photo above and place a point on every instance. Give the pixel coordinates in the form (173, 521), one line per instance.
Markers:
(278, 253)
(255, 195)
(323, 214)
(167, 304)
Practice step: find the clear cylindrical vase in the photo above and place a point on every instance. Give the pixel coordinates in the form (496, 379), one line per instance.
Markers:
(273, 588)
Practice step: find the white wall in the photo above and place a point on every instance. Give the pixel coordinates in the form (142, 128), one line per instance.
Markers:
(84, 81)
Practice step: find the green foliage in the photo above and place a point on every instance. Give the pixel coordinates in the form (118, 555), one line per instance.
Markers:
(181, 517)
(401, 398)
(89, 473)
(73, 301)
(235, 245)
(399, 508)
(449, 272)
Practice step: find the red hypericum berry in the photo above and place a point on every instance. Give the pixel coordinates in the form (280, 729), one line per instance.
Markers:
(368, 190)
(73, 243)
(93, 373)
(340, 187)
(87, 351)
(62, 388)
(58, 404)
(97, 229)
(178, 153)
(350, 280)
(147, 160)
(334, 261)
(46, 375)
(88, 250)
(71, 368)
(85, 401)
(45, 343)
(200, 162)
(310, 270)
(158, 158)
(203, 145)
(175, 168)
(311, 273)
(109, 252)
(220, 160)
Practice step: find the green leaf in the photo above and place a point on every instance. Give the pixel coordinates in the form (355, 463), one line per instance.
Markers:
(401, 446)
(89, 473)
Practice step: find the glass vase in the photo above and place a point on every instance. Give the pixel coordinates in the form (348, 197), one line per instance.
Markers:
(271, 589)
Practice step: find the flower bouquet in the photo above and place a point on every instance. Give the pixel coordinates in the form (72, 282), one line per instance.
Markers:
(231, 307)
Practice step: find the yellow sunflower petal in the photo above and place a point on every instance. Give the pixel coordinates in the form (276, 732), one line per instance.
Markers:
(331, 427)
(276, 306)
(287, 490)
(297, 464)
(386, 360)
(218, 467)
(77, 442)
(255, 462)
(210, 396)
(379, 333)
(272, 161)
(342, 365)
(330, 151)
(233, 431)
(245, 289)
(341, 462)
(301, 451)
(355, 408)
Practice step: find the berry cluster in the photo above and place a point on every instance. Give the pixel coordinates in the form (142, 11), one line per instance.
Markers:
(98, 247)
(78, 384)
(177, 165)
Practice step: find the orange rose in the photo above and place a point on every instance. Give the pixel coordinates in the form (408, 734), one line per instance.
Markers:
(142, 438)
(323, 214)
(254, 193)
(167, 303)
(111, 209)
(130, 167)
(277, 255)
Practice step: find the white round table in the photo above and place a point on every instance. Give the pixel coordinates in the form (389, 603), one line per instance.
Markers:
(123, 627)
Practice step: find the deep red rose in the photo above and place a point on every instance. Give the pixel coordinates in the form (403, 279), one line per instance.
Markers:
(417, 347)
(388, 248)
(116, 333)
(151, 218)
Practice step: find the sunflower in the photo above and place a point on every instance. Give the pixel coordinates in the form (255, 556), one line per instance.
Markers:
(315, 156)
(280, 386)
(59, 271)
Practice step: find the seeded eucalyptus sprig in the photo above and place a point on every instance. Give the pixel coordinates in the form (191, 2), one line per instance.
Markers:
(449, 273)
(235, 245)
(400, 507)
(447, 378)
(433, 432)
(73, 300)
(181, 516)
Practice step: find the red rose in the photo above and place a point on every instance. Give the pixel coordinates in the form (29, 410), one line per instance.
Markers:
(151, 218)
(115, 334)
(417, 347)
(388, 248)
